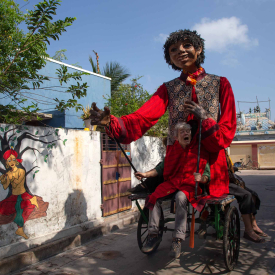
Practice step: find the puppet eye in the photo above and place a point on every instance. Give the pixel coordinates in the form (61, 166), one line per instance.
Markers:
(187, 46)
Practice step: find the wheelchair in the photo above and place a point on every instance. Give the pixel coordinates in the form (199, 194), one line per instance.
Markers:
(223, 217)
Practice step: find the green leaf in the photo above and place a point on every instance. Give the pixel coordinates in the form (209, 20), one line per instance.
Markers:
(18, 131)
(14, 138)
(2, 129)
(64, 141)
(36, 132)
(49, 146)
(33, 176)
(26, 128)
(45, 158)
(7, 128)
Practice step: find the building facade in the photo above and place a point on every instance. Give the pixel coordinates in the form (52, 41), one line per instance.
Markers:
(254, 140)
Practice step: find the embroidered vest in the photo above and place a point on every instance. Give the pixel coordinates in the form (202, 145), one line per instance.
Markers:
(207, 90)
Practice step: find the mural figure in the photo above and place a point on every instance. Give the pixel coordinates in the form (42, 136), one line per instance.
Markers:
(20, 205)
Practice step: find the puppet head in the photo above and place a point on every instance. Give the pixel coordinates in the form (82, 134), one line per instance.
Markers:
(193, 37)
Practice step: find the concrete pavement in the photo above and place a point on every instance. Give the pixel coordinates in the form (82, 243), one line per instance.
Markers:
(118, 252)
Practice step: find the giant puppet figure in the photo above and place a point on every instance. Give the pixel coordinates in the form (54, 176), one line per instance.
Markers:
(195, 94)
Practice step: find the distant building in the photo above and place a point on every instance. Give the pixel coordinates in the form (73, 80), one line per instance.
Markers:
(254, 139)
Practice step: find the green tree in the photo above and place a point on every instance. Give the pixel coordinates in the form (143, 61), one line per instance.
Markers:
(22, 55)
(130, 97)
(111, 69)
(60, 55)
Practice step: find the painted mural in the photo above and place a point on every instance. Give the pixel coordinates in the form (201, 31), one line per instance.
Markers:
(20, 205)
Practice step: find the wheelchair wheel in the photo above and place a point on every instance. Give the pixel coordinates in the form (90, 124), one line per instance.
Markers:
(142, 230)
(231, 238)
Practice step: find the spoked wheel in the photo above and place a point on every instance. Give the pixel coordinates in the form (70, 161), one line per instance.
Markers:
(142, 230)
(231, 238)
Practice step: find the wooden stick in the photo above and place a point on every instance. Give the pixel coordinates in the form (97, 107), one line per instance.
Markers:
(192, 231)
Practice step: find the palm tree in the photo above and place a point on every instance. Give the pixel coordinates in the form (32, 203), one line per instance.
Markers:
(111, 69)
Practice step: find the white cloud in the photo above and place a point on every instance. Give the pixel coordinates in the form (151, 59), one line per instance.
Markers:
(220, 34)
(161, 38)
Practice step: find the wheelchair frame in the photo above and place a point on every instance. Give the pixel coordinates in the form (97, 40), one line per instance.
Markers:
(223, 218)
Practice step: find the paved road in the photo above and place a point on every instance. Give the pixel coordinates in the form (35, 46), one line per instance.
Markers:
(118, 253)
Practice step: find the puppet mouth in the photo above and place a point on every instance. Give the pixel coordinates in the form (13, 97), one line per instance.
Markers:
(183, 57)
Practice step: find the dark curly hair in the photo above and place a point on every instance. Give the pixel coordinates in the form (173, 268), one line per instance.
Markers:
(181, 35)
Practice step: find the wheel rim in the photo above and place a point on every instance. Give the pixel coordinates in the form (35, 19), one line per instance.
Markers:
(143, 229)
(232, 239)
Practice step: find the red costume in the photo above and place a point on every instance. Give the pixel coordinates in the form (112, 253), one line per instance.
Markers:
(217, 131)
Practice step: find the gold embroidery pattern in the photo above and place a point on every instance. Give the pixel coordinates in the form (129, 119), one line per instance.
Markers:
(208, 94)
(178, 92)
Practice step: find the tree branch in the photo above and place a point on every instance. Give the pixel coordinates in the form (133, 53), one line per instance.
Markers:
(31, 170)
(26, 149)
(5, 136)
(11, 137)
(30, 136)
(2, 171)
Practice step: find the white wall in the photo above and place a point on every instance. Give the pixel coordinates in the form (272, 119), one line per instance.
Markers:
(70, 181)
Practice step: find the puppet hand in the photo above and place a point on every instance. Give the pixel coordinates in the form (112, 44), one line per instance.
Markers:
(140, 175)
(197, 177)
(195, 109)
(99, 117)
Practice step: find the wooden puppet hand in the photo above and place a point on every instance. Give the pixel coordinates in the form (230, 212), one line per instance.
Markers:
(99, 117)
(195, 109)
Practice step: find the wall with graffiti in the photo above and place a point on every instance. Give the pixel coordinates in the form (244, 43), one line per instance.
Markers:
(49, 185)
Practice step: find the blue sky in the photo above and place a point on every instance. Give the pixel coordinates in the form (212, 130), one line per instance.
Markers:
(239, 37)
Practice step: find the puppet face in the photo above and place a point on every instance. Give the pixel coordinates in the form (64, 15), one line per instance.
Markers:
(184, 137)
(184, 55)
(11, 161)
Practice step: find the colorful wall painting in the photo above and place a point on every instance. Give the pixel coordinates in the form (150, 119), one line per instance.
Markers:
(21, 205)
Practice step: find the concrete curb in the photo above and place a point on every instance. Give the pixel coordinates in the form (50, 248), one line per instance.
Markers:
(32, 256)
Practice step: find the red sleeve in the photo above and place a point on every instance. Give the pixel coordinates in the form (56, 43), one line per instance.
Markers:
(217, 136)
(132, 127)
